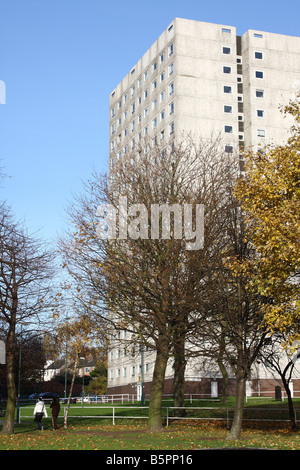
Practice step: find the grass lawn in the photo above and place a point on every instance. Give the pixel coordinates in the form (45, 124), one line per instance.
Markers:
(100, 434)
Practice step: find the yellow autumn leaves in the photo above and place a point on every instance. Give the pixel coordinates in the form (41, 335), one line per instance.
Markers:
(270, 196)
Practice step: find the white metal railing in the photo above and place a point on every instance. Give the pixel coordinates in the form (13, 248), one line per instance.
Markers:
(168, 417)
(270, 394)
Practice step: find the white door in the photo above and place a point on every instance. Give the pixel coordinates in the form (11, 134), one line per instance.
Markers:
(248, 388)
(214, 389)
(139, 392)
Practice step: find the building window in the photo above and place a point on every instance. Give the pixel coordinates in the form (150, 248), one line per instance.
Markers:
(146, 111)
(226, 69)
(259, 74)
(162, 76)
(132, 126)
(139, 100)
(260, 113)
(125, 372)
(227, 89)
(133, 371)
(133, 91)
(261, 133)
(113, 112)
(171, 107)
(226, 50)
(171, 88)
(132, 108)
(154, 84)
(172, 128)
(228, 149)
(228, 129)
(227, 109)
(162, 115)
(146, 94)
(258, 55)
(171, 69)
(146, 75)
(154, 103)
(154, 123)
(139, 82)
(162, 96)
(111, 374)
(258, 35)
(125, 98)
(162, 57)
(226, 30)
(259, 93)
(171, 49)
(154, 66)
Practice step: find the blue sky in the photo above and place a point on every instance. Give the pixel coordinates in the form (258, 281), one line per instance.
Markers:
(60, 59)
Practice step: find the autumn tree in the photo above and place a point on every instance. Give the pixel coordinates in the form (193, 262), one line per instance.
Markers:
(77, 337)
(147, 278)
(26, 271)
(270, 196)
(234, 331)
(98, 384)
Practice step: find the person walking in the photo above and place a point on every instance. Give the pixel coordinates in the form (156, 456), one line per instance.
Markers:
(55, 406)
(39, 411)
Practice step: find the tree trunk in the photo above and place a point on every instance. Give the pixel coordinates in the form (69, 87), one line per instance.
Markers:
(236, 428)
(157, 386)
(179, 369)
(223, 368)
(292, 415)
(69, 397)
(8, 426)
(225, 381)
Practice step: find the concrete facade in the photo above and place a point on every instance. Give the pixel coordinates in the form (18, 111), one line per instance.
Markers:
(203, 80)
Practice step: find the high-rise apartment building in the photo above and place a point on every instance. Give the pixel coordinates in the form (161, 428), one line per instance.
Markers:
(203, 80)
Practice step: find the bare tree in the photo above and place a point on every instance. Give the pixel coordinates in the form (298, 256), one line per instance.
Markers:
(144, 281)
(281, 357)
(235, 329)
(26, 270)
